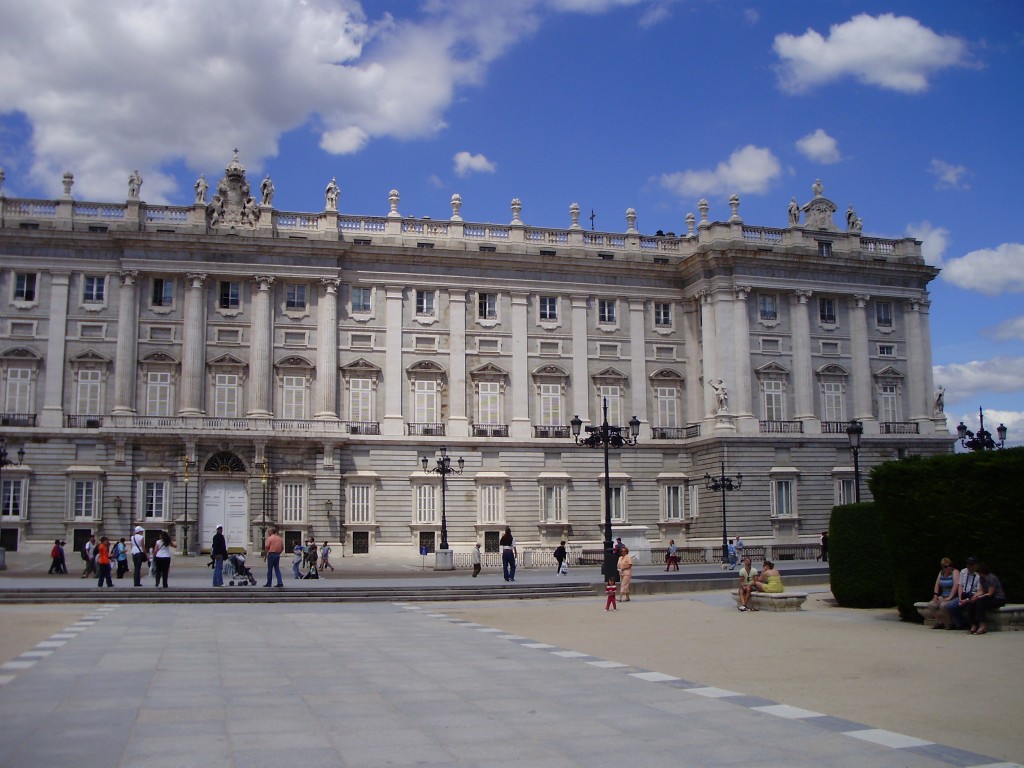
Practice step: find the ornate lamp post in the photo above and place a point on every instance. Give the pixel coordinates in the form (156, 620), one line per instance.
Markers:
(853, 432)
(982, 441)
(605, 437)
(723, 483)
(189, 463)
(6, 461)
(443, 559)
(265, 483)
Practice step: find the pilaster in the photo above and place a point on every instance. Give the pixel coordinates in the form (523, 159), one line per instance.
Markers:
(193, 357)
(261, 349)
(458, 422)
(125, 364)
(520, 426)
(803, 376)
(53, 395)
(860, 361)
(638, 366)
(580, 373)
(327, 349)
(394, 421)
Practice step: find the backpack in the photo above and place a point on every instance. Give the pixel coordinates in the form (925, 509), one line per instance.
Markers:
(85, 554)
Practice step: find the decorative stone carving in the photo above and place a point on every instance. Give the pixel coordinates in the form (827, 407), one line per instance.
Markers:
(734, 204)
(456, 207)
(517, 208)
(232, 205)
(690, 220)
(816, 188)
(68, 181)
(819, 212)
(794, 213)
(393, 203)
(134, 185)
(721, 394)
(703, 207)
(940, 401)
(267, 192)
(574, 214)
(853, 224)
(202, 186)
(631, 220)
(331, 195)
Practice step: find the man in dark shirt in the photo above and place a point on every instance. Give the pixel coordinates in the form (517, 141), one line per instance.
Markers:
(219, 552)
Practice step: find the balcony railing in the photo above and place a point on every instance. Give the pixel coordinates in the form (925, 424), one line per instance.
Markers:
(490, 430)
(668, 433)
(426, 430)
(898, 428)
(17, 419)
(84, 421)
(363, 427)
(834, 427)
(782, 427)
(550, 431)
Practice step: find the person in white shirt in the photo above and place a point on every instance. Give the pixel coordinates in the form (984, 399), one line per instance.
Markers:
(138, 553)
(970, 583)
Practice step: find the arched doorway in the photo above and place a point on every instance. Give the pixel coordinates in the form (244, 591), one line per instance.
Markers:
(225, 500)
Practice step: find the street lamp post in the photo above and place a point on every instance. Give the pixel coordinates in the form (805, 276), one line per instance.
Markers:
(853, 432)
(443, 559)
(189, 463)
(723, 483)
(265, 483)
(605, 437)
(6, 461)
(982, 441)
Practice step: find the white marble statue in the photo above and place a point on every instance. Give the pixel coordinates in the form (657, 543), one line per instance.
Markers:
(331, 195)
(134, 185)
(940, 401)
(721, 394)
(201, 188)
(267, 191)
(794, 213)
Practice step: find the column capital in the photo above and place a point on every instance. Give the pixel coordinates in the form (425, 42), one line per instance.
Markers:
(802, 296)
(860, 300)
(636, 305)
(128, 276)
(330, 284)
(264, 281)
(742, 291)
(196, 278)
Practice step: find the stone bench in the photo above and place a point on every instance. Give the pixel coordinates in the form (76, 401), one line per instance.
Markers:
(1009, 617)
(774, 601)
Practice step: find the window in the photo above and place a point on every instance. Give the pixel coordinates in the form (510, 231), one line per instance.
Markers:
(293, 392)
(883, 314)
(618, 504)
(19, 391)
(11, 494)
(88, 393)
(362, 300)
(662, 315)
(360, 400)
(490, 498)
(425, 303)
(782, 498)
(487, 306)
(163, 292)
(886, 350)
(426, 504)
(673, 502)
(25, 286)
(774, 400)
(295, 298)
(612, 395)
(694, 494)
(225, 396)
(827, 310)
(154, 499)
(158, 393)
(667, 401)
(606, 311)
(846, 492)
(825, 249)
(548, 308)
(768, 306)
(832, 401)
(84, 500)
(360, 500)
(92, 289)
(888, 404)
(551, 405)
(293, 503)
(230, 294)
(488, 402)
(426, 411)
(552, 503)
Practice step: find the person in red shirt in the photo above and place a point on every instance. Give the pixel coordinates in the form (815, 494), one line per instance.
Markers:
(103, 562)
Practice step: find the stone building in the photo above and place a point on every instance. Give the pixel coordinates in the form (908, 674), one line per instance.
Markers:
(227, 363)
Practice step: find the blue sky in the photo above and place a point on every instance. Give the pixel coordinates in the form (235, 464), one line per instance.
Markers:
(909, 111)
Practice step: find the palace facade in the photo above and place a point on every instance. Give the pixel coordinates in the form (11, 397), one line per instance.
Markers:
(227, 363)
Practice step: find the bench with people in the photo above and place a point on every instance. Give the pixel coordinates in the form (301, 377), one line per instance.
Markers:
(764, 590)
(971, 599)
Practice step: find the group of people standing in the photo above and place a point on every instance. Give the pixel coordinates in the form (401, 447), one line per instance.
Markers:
(101, 557)
(963, 599)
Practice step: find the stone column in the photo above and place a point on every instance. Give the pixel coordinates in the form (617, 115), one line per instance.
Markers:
(327, 349)
(694, 385)
(193, 355)
(918, 400)
(803, 376)
(708, 357)
(580, 369)
(53, 393)
(638, 384)
(520, 425)
(742, 400)
(938, 419)
(261, 347)
(126, 364)
(458, 422)
(394, 419)
(860, 361)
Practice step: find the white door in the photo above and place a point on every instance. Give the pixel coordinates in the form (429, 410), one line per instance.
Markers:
(225, 503)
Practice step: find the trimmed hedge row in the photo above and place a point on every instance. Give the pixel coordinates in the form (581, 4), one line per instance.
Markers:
(950, 506)
(859, 570)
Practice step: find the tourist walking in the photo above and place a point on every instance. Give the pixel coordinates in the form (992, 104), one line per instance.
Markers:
(274, 546)
(560, 558)
(508, 555)
(162, 558)
(672, 556)
(219, 553)
(731, 551)
(121, 549)
(625, 566)
(138, 553)
(63, 562)
(325, 557)
(89, 555)
(298, 555)
(103, 562)
(475, 554)
(55, 555)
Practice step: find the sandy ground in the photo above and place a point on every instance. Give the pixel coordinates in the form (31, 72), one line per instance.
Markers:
(864, 666)
(25, 625)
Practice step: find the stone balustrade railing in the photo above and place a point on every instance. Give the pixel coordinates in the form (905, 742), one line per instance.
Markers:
(394, 230)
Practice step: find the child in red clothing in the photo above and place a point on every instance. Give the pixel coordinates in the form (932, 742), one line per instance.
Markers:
(610, 590)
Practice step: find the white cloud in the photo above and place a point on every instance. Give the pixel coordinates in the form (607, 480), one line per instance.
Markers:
(989, 270)
(465, 164)
(964, 381)
(892, 52)
(820, 147)
(947, 175)
(748, 170)
(751, 16)
(1008, 330)
(934, 241)
(344, 141)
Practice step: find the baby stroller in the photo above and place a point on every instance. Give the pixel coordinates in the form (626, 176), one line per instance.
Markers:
(237, 571)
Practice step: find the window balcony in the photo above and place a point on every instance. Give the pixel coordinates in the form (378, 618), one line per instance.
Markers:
(834, 427)
(82, 421)
(782, 427)
(17, 419)
(490, 430)
(425, 430)
(550, 431)
(898, 428)
(363, 427)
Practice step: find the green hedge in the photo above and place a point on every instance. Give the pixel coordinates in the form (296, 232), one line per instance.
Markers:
(950, 506)
(858, 568)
